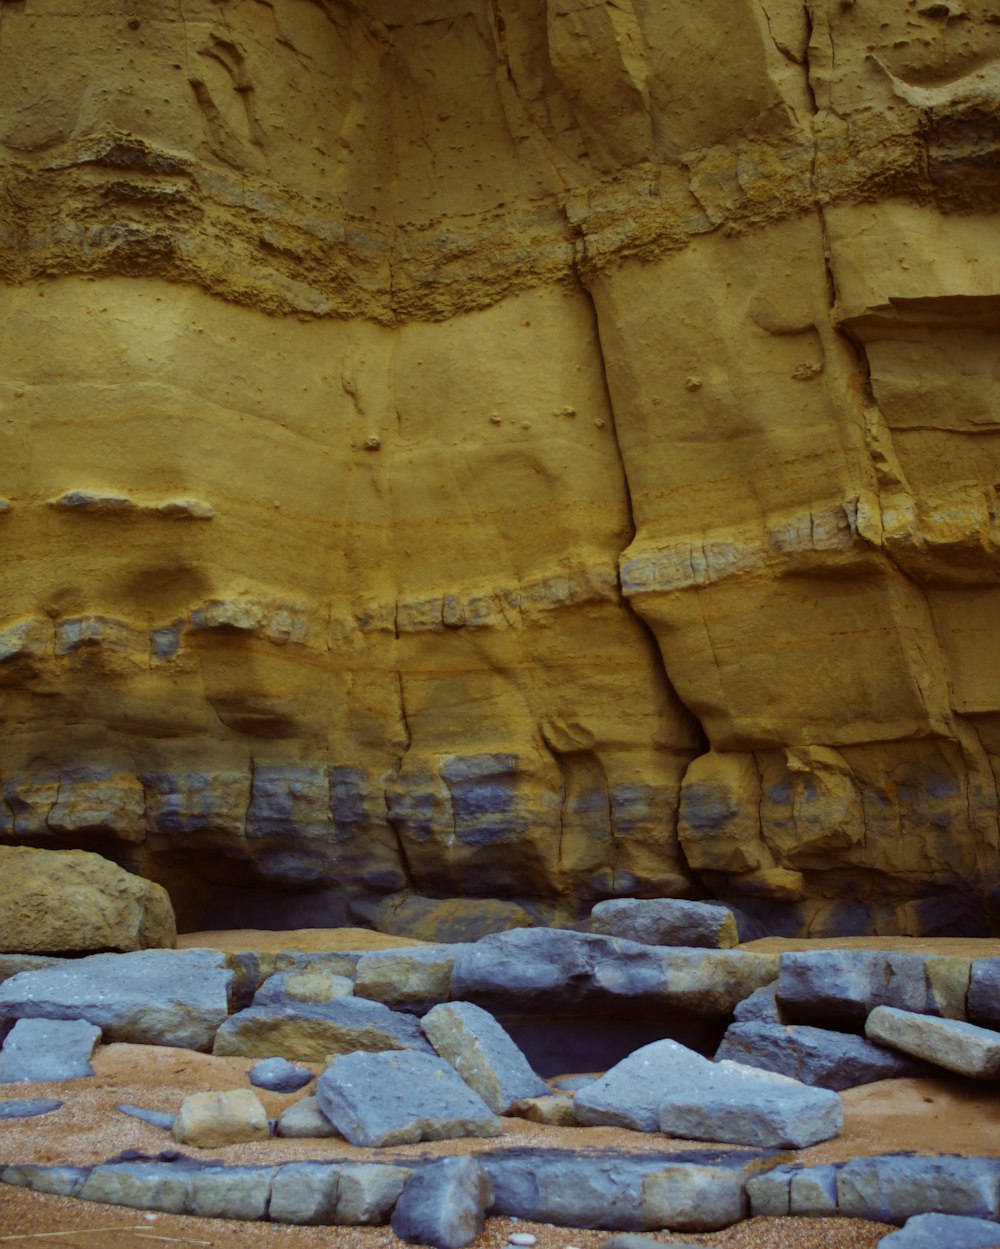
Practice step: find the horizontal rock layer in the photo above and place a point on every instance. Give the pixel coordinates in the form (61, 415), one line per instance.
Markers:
(512, 451)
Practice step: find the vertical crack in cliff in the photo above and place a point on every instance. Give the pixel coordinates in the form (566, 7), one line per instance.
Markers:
(647, 632)
(392, 821)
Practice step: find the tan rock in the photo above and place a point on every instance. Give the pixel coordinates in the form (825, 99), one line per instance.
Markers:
(212, 1120)
(555, 1110)
(70, 901)
(527, 454)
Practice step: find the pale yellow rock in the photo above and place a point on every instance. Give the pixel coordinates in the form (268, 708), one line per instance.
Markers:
(556, 1110)
(212, 1120)
(519, 452)
(72, 901)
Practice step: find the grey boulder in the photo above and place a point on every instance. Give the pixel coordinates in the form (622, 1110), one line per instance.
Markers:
(890, 1188)
(278, 1075)
(630, 1094)
(666, 921)
(149, 997)
(741, 1105)
(474, 1043)
(816, 1056)
(48, 1049)
(838, 988)
(760, 1007)
(399, 1098)
(943, 1231)
(444, 1204)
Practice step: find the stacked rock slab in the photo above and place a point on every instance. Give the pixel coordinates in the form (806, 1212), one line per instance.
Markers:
(519, 452)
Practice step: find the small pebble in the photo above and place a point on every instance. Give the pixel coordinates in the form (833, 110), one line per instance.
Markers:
(521, 1238)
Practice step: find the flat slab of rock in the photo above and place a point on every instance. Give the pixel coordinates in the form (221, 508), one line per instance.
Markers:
(557, 969)
(151, 997)
(401, 1098)
(964, 1048)
(741, 1105)
(211, 1120)
(311, 1032)
(475, 1044)
(687, 1192)
(62, 901)
(943, 1231)
(27, 1107)
(816, 1056)
(278, 1075)
(48, 1049)
(666, 921)
(444, 1204)
(891, 1188)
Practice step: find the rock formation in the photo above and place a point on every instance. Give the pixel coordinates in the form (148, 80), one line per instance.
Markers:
(532, 450)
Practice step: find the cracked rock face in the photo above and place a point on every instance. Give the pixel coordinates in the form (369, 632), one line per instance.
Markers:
(524, 451)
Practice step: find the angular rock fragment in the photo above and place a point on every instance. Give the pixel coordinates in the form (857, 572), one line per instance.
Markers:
(310, 1032)
(48, 1049)
(943, 1231)
(304, 1119)
(444, 1204)
(630, 1094)
(400, 1098)
(285, 988)
(368, 1193)
(816, 1056)
(474, 1043)
(413, 977)
(964, 1048)
(150, 997)
(211, 1120)
(666, 921)
(743, 1106)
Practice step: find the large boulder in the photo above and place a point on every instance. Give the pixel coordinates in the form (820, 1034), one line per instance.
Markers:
(838, 988)
(483, 1054)
(149, 997)
(666, 921)
(72, 901)
(399, 1099)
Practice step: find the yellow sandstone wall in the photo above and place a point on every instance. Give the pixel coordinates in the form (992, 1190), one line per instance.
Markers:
(531, 449)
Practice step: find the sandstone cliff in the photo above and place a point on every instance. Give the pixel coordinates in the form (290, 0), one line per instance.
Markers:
(532, 449)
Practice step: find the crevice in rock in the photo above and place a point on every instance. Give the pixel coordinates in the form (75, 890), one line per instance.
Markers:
(645, 629)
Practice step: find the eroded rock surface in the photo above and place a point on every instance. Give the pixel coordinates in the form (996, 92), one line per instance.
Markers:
(505, 450)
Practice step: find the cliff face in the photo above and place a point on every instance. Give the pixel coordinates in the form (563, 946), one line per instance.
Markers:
(542, 449)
